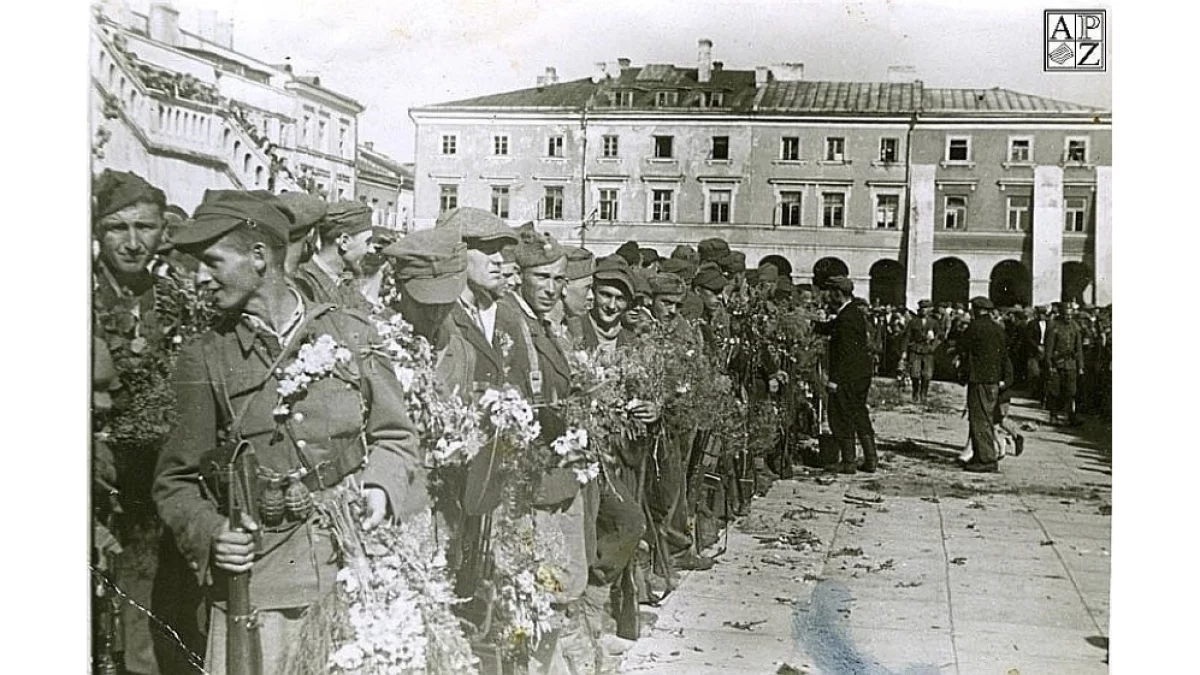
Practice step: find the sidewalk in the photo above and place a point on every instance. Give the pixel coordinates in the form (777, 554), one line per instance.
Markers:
(920, 568)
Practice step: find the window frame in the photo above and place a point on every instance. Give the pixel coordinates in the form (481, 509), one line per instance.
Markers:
(500, 142)
(624, 98)
(713, 149)
(829, 149)
(727, 193)
(1082, 215)
(670, 140)
(666, 98)
(447, 190)
(453, 142)
(657, 205)
(602, 202)
(895, 150)
(784, 207)
(1010, 209)
(879, 197)
(504, 192)
(825, 209)
(960, 214)
(555, 150)
(551, 191)
(950, 140)
(604, 146)
(1087, 149)
(783, 147)
(1012, 141)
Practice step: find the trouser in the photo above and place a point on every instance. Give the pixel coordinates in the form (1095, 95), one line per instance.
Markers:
(620, 525)
(177, 600)
(569, 650)
(981, 404)
(134, 572)
(278, 633)
(848, 416)
(665, 493)
(1061, 385)
(1033, 375)
(920, 369)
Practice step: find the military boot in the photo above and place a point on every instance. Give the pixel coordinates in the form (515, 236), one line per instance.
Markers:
(870, 457)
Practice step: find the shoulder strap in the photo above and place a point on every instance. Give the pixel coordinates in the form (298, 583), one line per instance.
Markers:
(535, 371)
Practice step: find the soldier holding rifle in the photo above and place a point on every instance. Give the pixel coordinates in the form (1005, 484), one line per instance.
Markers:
(243, 444)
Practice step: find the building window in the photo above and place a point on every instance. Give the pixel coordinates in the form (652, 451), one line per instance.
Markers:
(1076, 214)
(305, 130)
(666, 99)
(552, 205)
(712, 99)
(835, 149)
(833, 209)
(1018, 214)
(956, 213)
(554, 146)
(720, 147)
(718, 206)
(660, 206)
(887, 210)
(663, 147)
(789, 148)
(609, 146)
(889, 150)
(1020, 150)
(608, 204)
(447, 198)
(624, 99)
(1077, 150)
(789, 203)
(500, 145)
(449, 144)
(321, 144)
(342, 141)
(500, 200)
(958, 150)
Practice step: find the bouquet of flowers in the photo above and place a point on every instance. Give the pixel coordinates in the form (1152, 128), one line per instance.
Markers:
(391, 610)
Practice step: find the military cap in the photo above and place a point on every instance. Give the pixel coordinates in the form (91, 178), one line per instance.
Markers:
(733, 262)
(383, 236)
(752, 277)
(712, 249)
(840, 283)
(709, 276)
(222, 210)
(478, 225)
(431, 265)
(580, 263)
(345, 217)
(685, 252)
(684, 269)
(641, 281)
(924, 304)
(982, 302)
(509, 253)
(667, 284)
(768, 272)
(785, 284)
(614, 270)
(307, 210)
(630, 252)
(649, 256)
(542, 251)
(115, 190)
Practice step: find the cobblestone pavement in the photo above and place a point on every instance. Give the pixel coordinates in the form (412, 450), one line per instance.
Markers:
(920, 568)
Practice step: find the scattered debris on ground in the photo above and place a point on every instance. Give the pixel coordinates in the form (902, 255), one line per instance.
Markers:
(908, 584)
(847, 552)
(959, 561)
(888, 564)
(744, 625)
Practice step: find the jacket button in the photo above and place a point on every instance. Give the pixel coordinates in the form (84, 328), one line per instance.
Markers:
(301, 444)
(298, 417)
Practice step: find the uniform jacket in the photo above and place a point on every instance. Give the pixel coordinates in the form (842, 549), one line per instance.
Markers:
(916, 336)
(489, 357)
(985, 351)
(849, 351)
(317, 286)
(361, 403)
(1064, 344)
(583, 331)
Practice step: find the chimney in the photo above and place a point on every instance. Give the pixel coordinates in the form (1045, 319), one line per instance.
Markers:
(704, 61)
(902, 74)
(623, 63)
(164, 23)
(369, 145)
(224, 34)
(718, 66)
(787, 72)
(551, 75)
(762, 75)
(600, 73)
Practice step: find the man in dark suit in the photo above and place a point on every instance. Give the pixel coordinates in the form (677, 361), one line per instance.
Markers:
(987, 364)
(849, 376)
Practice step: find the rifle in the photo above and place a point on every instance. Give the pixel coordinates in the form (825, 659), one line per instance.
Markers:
(243, 651)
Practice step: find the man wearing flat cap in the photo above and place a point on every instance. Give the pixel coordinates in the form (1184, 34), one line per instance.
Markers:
(918, 345)
(988, 368)
(692, 307)
(631, 252)
(142, 310)
(333, 274)
(228, 383)
(712, 250)
(541, 371)
(850, 370)
(307, 213)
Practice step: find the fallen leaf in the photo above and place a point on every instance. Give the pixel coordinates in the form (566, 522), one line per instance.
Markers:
(744, 625)
(847, 551)
(1047, 542)
(959, 561)
(908, 584)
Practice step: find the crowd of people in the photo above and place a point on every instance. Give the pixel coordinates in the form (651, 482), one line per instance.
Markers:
(574, 430)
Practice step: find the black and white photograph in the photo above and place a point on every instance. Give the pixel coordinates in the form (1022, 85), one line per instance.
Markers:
(583, 338)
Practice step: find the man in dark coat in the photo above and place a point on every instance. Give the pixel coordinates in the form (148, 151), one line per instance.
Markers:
(332, 275)
(1065, 362)
(984, 350)
(918, 344)
(849, 376)
(350, 423)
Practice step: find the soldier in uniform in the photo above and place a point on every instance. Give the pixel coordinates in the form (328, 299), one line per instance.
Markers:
(141, 313)
(1064, 361)
(988, 368)
(918, 345)
(307, 212)
(849, 376)
(350, 423)
(332, 274)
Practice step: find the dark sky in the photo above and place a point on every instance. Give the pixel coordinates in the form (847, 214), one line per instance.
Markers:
(395, 54)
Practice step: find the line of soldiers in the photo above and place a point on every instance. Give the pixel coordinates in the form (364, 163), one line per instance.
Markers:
(499, 305)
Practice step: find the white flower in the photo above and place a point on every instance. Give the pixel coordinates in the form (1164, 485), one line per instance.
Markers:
(348, 657)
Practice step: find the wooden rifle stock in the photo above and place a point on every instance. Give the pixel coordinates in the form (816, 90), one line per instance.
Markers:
(243, 652)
